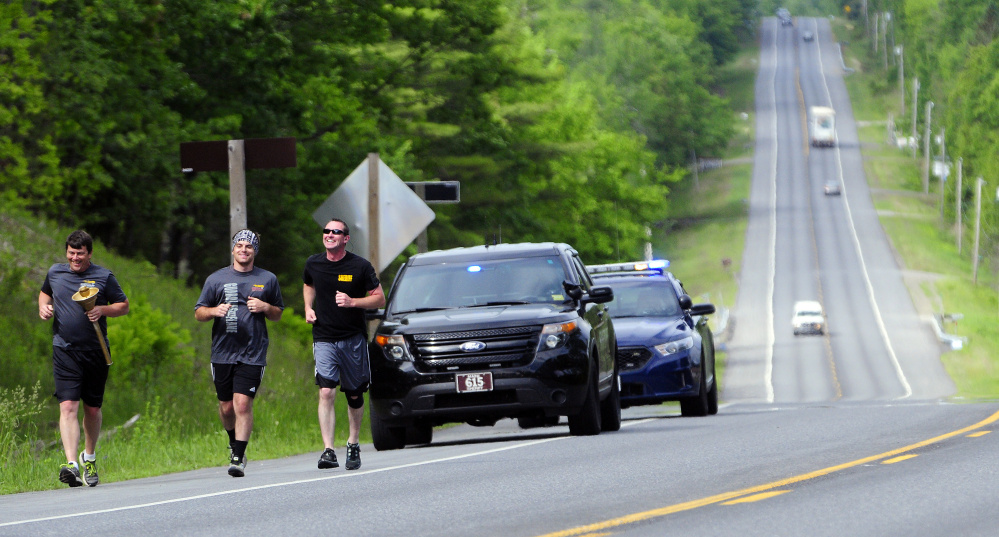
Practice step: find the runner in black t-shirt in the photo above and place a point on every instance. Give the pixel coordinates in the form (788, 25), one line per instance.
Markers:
(339, 286)
(238, 298)
(78, 363)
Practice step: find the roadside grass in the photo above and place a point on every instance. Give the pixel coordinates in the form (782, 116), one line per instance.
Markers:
(922, 240)
(160, 376)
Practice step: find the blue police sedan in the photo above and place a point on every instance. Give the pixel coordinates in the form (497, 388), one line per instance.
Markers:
(665, 348)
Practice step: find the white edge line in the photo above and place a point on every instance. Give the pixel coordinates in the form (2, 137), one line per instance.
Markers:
(771, 339)
(302, 481)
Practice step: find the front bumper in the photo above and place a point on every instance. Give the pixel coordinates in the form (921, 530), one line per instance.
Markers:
(656, 379)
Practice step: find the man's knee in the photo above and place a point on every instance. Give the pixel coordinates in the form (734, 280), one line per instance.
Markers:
(355, 400)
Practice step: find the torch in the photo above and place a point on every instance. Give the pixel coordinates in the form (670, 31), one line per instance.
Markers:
(86, 297)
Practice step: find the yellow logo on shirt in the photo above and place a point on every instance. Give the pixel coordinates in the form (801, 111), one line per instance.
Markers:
(345, 277)
(258, 286)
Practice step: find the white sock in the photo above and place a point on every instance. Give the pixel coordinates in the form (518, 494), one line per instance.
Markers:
(89, 456)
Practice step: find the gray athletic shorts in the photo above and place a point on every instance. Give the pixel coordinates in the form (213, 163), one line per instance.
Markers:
(343, 363)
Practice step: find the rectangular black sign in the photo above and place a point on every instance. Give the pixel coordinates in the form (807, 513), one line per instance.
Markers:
(259, 153)
(438, 191)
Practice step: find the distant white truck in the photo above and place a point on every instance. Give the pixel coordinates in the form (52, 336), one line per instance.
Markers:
(823, 123)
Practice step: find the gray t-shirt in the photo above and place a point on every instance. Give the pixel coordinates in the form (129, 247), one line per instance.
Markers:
(71, 329)
(240, 336)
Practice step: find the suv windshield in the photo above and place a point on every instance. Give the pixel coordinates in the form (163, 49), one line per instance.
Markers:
(643, 299)
(527, 280)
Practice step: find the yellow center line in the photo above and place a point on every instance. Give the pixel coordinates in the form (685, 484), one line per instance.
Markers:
(756, 497)
(725, 496)
(893, 460)
(979, 433)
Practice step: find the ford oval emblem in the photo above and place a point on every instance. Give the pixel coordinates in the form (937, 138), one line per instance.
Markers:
(472, 346)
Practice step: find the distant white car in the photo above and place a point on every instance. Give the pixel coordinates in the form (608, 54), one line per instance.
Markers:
(808, 318)
(832, 188)
(807, 36)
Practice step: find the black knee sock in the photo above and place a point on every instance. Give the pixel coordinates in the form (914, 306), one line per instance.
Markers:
(239, 448)
(232, 436)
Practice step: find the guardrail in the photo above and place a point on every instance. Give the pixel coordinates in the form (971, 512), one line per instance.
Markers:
(954, 341)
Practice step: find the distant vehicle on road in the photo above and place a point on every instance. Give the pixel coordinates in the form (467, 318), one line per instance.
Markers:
(823, 125)
(666, 351)
(808, 318)
(832, 188)
(807, 36)
(785, 16)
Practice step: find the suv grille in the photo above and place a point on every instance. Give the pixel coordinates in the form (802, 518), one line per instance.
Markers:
(507, 346)
(630, 358)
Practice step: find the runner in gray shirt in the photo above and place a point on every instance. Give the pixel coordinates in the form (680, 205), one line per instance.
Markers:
(239, 299)
(78, 363)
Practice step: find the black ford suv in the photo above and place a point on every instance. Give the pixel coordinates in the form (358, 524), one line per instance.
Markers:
(488, 332)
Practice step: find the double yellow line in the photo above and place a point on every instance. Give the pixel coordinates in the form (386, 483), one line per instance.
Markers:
(761, 491)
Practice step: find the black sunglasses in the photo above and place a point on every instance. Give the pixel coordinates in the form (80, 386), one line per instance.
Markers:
(327, 231)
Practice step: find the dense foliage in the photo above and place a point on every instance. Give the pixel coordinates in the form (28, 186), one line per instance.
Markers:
(951, 47)
(563, 120)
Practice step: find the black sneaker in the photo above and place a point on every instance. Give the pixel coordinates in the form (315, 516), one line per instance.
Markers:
(236, 466)
(70, 475)
(89, 471)
(328, 459)
(353, 457)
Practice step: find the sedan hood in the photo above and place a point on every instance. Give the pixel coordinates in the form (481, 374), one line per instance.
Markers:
(633, 331)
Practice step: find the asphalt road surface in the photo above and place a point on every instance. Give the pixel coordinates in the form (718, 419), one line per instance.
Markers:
(849, 433)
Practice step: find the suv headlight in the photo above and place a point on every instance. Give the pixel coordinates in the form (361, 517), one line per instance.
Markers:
(394, 347)
(555, 335)
(671, 347)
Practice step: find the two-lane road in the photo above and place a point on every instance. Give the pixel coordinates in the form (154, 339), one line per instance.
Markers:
(844, 434)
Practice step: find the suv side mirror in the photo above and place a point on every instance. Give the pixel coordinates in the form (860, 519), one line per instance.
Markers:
(600, 295)
(685, 302)
(574, 291)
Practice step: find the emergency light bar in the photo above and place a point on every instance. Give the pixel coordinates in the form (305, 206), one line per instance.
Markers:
(657, 265)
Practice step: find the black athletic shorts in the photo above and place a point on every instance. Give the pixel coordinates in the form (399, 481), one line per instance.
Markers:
(236, 378)
(79, 376)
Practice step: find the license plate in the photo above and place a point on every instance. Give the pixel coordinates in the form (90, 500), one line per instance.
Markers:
(474, 382)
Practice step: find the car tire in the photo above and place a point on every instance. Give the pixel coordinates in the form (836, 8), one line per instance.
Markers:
(587, 421)
(384, 437)
(697, 405)
(419, 432)
(610, 408)
(713, 398)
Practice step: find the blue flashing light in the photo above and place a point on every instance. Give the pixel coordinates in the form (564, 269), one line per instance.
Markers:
(474, 268)
(658, 264)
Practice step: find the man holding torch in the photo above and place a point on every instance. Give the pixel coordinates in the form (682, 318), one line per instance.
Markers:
(79, 362)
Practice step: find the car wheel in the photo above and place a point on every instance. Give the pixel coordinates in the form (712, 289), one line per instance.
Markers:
(587, 421)
(420, 432)
(385, 437)
(698, 404)
(713, 398)
(610, 408)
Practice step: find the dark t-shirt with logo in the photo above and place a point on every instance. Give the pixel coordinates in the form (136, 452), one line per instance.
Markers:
(353, 275)
(240, 336)
(71, 329)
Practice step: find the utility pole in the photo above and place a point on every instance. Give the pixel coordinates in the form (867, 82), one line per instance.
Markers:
(915, 112)
(901, 79)
(958, 195)
(943, 170)
(926, 150)
(978, 228)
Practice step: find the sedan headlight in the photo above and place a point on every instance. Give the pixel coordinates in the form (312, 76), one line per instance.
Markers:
(394, 347)
(672, 347)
